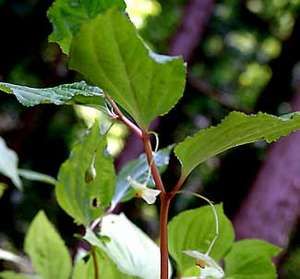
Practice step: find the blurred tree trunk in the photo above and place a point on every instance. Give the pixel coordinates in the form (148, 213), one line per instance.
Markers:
(272, 208)
(194, 21)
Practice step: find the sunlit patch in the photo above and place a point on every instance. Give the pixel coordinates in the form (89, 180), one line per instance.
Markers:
(116, 134)
(245, 42)
(139, 10)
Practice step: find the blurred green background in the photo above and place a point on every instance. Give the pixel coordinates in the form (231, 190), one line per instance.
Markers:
(247, 60)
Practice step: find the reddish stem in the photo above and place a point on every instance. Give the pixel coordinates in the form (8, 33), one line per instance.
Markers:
(164, 251)
(154, 170)
(165, 197)
(120, 116)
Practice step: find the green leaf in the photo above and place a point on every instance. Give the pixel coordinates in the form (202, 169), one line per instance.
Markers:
(107, 269)
(138, 170)
(3, 187)
(9, 164)
(109, 53)
(86, 181)
(48, 253)
(251, 259)
(74, 93)
(14, 275)
(36, 176)
(236, 129)
(68, 16)
(129, 248)
(194, 230)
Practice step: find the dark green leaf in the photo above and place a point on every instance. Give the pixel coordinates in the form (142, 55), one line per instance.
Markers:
(48, 253)
(194, 230)
(68, 16)
(251, 259)
(75, 93)
(86, 199)
(236, 129)
(109, 53)
(138, 171)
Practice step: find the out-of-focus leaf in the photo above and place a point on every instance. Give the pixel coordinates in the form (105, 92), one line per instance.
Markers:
(68, 16)
(236, 129)
(107, 268)
(194, 230)
(3, 187)
(138, 171)
(14, 275)
(74, 93)
(251, 259)
(133, 252)
(86, 181)
(48, 253)
(109, 53)
(9, 164)
(36, 176)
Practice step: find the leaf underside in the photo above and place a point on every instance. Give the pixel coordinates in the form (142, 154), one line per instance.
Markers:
(9, 164)
(145, 84)
(138, 170)
(74, 93)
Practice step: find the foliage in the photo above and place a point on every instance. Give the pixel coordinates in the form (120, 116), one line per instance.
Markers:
(86, 195)
(120, 63)
(106, 48)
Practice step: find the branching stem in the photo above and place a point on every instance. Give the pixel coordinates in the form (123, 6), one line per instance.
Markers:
(165, 197)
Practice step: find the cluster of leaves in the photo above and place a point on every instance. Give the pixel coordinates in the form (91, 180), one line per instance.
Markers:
(119, 62)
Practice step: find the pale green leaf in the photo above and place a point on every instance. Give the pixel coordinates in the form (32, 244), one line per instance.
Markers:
(251, 259)
(36, 176)
(86, 181)
(14, 275)
(9, 164)
(194, 230)
(107, 269)
(138, 170)
(129, 248)
(236, 129)
(74, 93)
(68, 16)
(109, 53)
(48, 253)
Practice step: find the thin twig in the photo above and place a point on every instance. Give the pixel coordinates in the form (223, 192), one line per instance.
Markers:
(154, 170)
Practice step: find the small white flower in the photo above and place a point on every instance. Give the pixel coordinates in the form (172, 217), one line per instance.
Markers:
(142, 191)
(209, 268)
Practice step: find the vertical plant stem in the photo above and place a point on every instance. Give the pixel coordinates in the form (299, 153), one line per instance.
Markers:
(154, 170)
(96, 266)
(164, 251)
